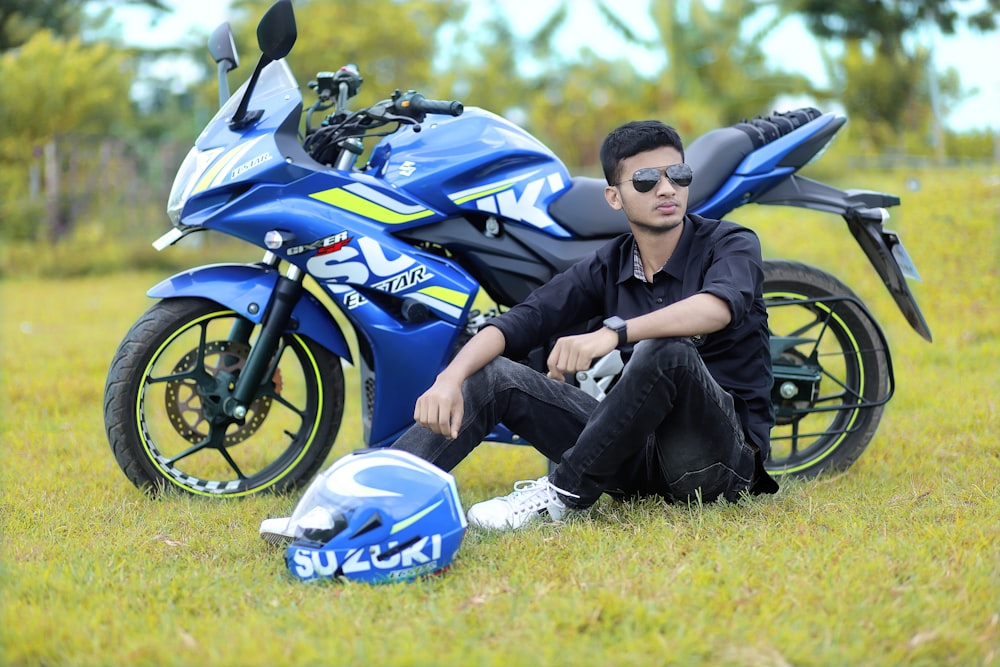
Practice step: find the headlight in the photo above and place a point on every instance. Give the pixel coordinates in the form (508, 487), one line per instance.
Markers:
(190, 172)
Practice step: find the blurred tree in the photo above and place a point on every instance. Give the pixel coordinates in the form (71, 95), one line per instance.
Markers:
(50, 87)
(488, 67)
(481, 66)
(713, 73)
(562, 99)
(886, 24)
(574, 108)
(879, 92)
(889, 100)
(713, 66)
(392, 43)
(886, 70)
(20, 19)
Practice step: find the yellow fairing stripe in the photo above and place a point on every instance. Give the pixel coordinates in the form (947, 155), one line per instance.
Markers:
(454, 297)
(230, 157)
(214, 171)
(351, 202)
(483, 193)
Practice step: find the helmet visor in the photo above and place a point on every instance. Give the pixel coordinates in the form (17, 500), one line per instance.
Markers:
(318, 525)
(320, 515)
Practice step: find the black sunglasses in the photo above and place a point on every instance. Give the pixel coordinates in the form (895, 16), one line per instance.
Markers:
(644, 180)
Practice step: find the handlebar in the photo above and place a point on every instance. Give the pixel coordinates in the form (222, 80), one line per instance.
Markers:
(415, 105)
(342, 132)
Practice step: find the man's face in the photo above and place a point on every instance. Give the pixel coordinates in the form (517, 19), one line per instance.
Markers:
(661, 209)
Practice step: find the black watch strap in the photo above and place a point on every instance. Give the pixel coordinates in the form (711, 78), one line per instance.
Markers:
(619, 326)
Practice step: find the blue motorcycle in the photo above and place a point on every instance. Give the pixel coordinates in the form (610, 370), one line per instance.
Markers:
(232, 382)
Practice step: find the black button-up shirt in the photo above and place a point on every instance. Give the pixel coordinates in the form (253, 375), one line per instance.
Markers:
(714, 257)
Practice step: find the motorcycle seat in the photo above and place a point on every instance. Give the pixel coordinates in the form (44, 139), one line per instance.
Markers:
(713, 157)
(584, 211)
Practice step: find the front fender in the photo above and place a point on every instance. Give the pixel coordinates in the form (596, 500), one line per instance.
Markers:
(247, 289)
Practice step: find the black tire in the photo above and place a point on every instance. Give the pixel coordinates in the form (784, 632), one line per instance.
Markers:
(838, 364)
(175, 364)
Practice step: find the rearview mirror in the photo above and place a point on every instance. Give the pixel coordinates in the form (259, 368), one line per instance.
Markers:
(223, 50)
(275, 36)
(222, 47)
(276, 31)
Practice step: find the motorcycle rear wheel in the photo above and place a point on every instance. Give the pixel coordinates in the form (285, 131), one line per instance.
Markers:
(832, 371)
(172, 373)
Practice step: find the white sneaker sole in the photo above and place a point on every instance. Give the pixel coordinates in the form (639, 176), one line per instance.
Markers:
(276, 531)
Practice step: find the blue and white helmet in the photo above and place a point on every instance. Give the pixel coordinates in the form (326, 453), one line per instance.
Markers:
(377, 515)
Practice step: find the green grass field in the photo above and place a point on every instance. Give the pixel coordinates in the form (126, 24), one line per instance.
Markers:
(895, 562)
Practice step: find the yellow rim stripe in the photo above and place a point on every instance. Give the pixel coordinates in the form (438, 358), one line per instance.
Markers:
(861, 372)
(170, 477)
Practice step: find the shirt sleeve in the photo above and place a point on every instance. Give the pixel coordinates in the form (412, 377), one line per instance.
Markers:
(569, 299)
(735, 271)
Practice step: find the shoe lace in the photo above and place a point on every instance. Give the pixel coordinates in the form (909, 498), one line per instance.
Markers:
(534, 494)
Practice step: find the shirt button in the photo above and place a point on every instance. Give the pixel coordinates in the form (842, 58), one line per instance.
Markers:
(659, 299)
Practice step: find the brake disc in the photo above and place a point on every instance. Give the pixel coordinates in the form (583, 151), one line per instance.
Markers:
(185, 403)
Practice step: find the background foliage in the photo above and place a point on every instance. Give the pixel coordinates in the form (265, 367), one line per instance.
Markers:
(83, 162)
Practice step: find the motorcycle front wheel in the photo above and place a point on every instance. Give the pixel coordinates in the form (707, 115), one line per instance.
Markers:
(171, 377)
(832, 371)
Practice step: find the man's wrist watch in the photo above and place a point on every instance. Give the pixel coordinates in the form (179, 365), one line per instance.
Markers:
(619, 326)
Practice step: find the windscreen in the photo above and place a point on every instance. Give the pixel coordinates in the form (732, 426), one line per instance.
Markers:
(276, 79)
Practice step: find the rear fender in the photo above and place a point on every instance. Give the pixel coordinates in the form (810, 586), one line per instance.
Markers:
(864, 212)
(247, 289)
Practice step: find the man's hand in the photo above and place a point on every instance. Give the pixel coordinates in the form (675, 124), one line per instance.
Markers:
(441, 408)
(577, 353)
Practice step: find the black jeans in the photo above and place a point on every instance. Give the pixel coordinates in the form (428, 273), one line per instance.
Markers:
(666, 428)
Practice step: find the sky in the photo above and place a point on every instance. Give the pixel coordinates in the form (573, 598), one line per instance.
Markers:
(976, 57)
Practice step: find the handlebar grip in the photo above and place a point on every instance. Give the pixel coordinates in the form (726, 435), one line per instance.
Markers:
(448, 108)
(415, 103)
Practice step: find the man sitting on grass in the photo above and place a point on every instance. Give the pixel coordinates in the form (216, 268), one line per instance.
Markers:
(691, 412)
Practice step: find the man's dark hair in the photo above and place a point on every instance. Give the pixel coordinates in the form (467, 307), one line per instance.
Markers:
(633, 138)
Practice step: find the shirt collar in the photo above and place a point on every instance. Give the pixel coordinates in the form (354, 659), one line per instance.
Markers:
(637, 271)
(673, 267)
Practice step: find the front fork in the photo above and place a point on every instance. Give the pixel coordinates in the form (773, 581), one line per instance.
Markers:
(287, 291)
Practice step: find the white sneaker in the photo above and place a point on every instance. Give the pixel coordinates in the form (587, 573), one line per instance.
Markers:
(532, 499)
(276, 531)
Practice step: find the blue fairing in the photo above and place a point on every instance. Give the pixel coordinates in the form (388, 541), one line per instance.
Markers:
(247, 289)
(477, 162)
